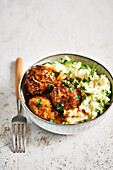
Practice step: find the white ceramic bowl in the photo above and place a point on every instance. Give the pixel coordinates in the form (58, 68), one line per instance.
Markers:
(62, 128)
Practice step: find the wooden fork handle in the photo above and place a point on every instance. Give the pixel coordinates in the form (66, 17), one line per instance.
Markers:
(18, 74)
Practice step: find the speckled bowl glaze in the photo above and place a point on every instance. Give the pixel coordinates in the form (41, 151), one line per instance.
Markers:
(62, 128)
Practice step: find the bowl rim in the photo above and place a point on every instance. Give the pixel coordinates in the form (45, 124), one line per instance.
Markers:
(52, 123)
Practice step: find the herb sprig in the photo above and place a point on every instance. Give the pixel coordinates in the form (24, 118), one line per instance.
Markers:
(68, 85)
(77, 96)
(65, 61)
(38, 103)
(60, 106)
(82, 87)
(93, 70)
(52, 74)
(86, 80)
(51, 86)
(52, 120)
(84, 66)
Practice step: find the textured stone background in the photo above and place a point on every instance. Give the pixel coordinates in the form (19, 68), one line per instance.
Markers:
(34, 29)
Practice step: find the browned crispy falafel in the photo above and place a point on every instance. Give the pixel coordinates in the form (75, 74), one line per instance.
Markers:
(65, 96)
(42, 107)
(38, 79)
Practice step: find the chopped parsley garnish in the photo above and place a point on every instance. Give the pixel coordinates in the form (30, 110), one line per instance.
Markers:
(82, 87)
(103, 101)
(64, 123)
(95, 98)
(51, 86)
(97, 110)
(60, 106)
(84, 66)
(68, 62)
(72, 88)
(93, 70)
(107, 93)
(86, 80)
(71, 80)
(101, 106)
(52, 120)
(102, 91)
(76, 83)
(84, 98)
(38, 103)
(81, 121)
(65, 61)
(78, 79)
(72, 66)
(52, 74)
(69, 72)
(47, 63)
(78, 96)
(66, 83)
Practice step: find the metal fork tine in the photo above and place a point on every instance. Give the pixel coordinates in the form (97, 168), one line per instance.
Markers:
(24, 129)
(17, 135)
(21, 140)
(14, 143)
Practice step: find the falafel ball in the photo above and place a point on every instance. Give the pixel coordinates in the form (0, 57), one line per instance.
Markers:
(65, 96)
(42, 107)
(38, 79)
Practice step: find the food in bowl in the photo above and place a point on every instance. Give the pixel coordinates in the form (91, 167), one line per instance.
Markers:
(38, 79)
(66, 92)
(42, 107)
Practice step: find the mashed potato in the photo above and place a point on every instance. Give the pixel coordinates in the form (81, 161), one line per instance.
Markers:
(94, 88)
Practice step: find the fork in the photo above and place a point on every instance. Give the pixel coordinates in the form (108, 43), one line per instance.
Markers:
(19, 122)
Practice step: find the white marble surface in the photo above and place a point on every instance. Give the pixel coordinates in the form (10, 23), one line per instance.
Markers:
(34, 29)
